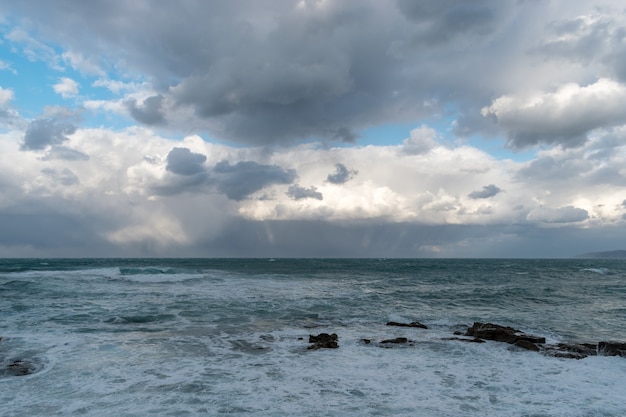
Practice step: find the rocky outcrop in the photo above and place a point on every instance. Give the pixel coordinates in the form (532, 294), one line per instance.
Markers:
(498, 333)
(323, 341)
(477, 333)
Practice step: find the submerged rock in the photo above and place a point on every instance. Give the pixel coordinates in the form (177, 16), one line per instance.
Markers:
(389, 342)
(323, 341)
(465, 339)
(18, 368)
(397, 340)
(412, 324)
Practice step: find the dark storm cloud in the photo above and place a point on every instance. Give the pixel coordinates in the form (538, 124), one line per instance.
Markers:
(341, 174)
(439, 21)
(488, 191)
(149, 112)
(182, 161)
(45, 132)
(278, 71)
(298, 193)
(237, 181)
(53, 228)
(244, 178)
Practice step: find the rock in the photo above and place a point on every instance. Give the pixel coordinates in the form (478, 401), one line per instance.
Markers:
(366, 341)
(612, 348)
(323, 341)
(397, 340)
(571, 350)
(505, 334)
(18, 368)
(526, 344)
(465, 339)
(412, 324)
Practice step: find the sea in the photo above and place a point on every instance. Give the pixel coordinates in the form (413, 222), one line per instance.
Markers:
(230, 337)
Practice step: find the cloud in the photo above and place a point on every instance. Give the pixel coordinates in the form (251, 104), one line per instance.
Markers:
(8, 115)
(443, 20)
(150, 112)
(549, 75)
(341, 174)
(4, 66)
(138, 196)
(64, 177)
(565, 117)
(66, 87)
(567, 214)
(82, 64)
(421, 141)
(316, 71)
(34, 49)
(45, 132)
(589, 38)
(287, 71)
(244, 178)
(64, 153)
(298, 193)
(115, 86)
(488, 191)
(182, 161)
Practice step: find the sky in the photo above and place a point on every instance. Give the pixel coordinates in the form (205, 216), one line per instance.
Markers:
(312, 128)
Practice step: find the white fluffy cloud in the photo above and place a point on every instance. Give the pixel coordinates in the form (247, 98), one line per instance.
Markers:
(66, 87)
(117, 191)
(565, 116)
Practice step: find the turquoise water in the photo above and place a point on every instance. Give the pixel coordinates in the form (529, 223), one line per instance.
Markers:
(134, 337)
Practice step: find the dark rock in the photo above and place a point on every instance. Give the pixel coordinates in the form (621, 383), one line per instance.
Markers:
(571, 350)
(18, 368)
(526, 344)
(396, 340)
(612, 348)
(323, 341)
(465, 339)
(505, 334)
(366, 341)
(412, 324)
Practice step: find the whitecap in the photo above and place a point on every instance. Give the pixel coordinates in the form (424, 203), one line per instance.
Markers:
(601, 271)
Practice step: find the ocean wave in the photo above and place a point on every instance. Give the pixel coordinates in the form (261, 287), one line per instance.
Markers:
(601, 271)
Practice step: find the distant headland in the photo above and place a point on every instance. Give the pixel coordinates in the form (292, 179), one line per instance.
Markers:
(614, 254)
